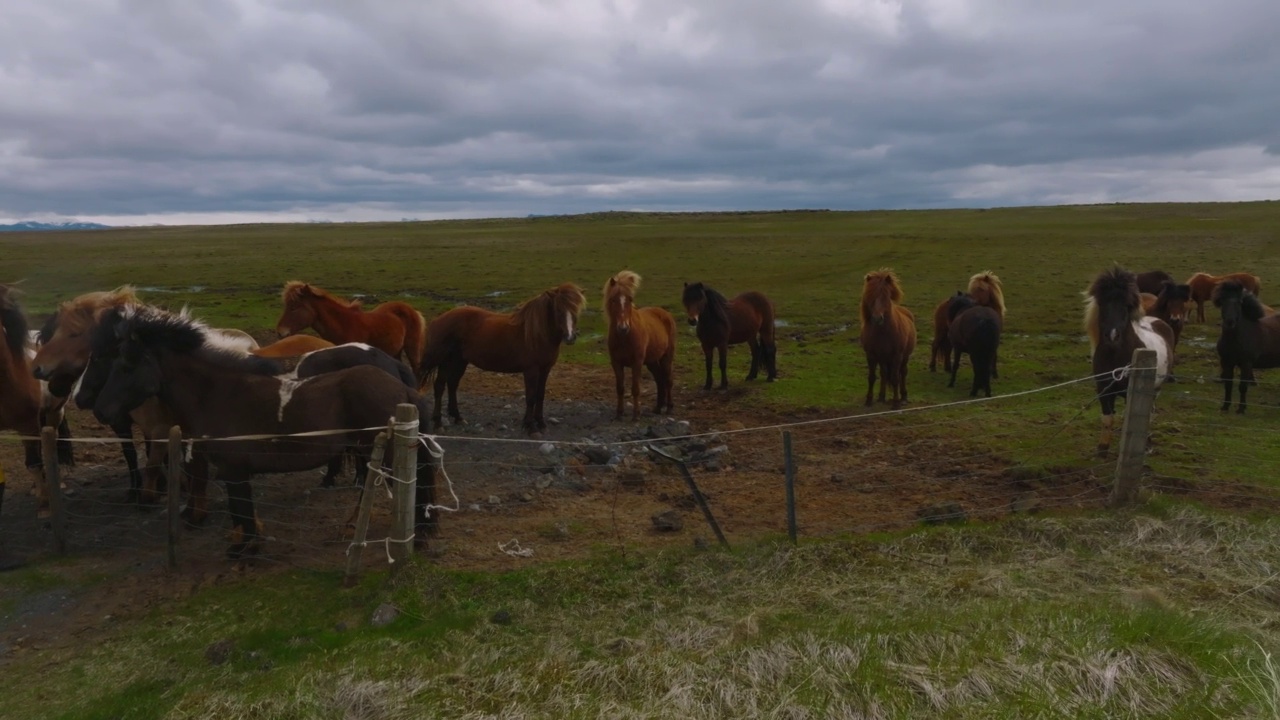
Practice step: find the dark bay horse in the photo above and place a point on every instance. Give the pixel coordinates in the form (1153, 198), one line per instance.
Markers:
(1117, 326)
(1170, 305)
(1250, 338)
(888, 334)
(393, 327)
(525, 341)
(1202, 285)
(20, 394)
(1152, 280)
(639, 338)
(974, 329)
(215, 393)
(747, 318)
(986, 290)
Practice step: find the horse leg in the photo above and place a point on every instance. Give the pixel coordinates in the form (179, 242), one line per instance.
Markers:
(65, 455)
(1246, 379)
(244, 522)
(1108, 402)
(437, 389)
(124, 431)
(1226, 376)
(618, 382)
(954, 366)
(755, 359)
(871, 378)
(529, 423)
(637, 371)
(332, 470)
(35, 466)
(902, 382)
(154, 483)
(770, 354)
(198, 471)
(886, 378)
(543, 374)
(995, 373)
(724, 365)
(455, 377)
(707, 350)
(933, 353)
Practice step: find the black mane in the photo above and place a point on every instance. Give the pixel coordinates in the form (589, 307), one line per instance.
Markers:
(14, 322)
(1116, 285)
(958, 304)
(156, 330)
(717, 306)
(1250, 305)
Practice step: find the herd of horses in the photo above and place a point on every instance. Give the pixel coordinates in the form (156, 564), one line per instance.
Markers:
(137, 365)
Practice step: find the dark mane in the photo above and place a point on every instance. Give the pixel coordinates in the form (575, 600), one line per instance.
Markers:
(1116, 285)
(717, 305)
(958, 304)
(47, 330)
(1250, 306)
(14, 322)
(159, 330)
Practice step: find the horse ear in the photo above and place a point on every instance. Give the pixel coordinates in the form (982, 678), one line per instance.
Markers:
(686, 283)
(866, 277)
(614, 281)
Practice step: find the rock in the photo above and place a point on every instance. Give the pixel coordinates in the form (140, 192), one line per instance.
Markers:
(502, 617)
(700, 543)
(712, 465)
(526, 497)
(542, 483)
(384, 615)
(495, 500)
(667, 521)
(219, 652)
(547, 448)
(598, 454)
(682, 427)
(941, 513)
(837, 478)
(553, 421)
(1025, 503)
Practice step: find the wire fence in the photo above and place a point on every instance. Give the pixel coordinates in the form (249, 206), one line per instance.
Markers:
(599, 484)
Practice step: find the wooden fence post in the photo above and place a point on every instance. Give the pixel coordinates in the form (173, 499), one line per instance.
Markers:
(791, 485)
(356, 549)
(174, 490)
(697, 494)
(1137, 425)
(405, 470)
(58, 519)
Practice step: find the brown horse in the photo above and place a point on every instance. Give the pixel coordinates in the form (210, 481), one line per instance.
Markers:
(1117, 326)
(524, 341)
(392, 327)
(1170, 305)
(639, 337)
(1152, 280)
(20, 394)
(986, 291)
(748, 318)
(888, 334)
(1202, 285)
(292, 346)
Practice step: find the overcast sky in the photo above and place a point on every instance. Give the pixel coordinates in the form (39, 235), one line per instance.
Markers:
(150, 111)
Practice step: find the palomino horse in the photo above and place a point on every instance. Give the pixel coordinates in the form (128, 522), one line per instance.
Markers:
(20, 394)
(216, 393)
(888, 334)
(973, 329)
(639, 337)
(748, 318)
(1117, 326)
(524, 341)
(392, 327)
(1202, 285)
(1250, 338)
(985, 290)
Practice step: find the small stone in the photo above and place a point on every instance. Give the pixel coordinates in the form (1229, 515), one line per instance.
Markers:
(502, 617)
(219, 652)
(542, 483)
(495, 500)
(837, 478)
(547, 448)
(384, 615)
(598, 454)
(700, 543)
(553, 421)
(526, 497)
(667, 521)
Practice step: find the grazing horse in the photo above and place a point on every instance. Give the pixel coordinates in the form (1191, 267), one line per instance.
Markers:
(216, 393)
(1152, 280)
(888, 334)
(986, 290)
(292, 346)
(974, 329)
(638, 338)
(1250, 338)
(1170, 305)
(20, 394)
(393, 327)
(1116, 325)
(1202, 285)
(524, 341)
(748, 318)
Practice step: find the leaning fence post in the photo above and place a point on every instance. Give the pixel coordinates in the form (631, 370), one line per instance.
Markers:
(405, 468)
(1137, 425)
(697, 494)
(58, 519)
(366, 506)
(791, 485)
(174, 493)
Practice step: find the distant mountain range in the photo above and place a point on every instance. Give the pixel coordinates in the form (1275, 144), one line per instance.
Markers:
(29, 225)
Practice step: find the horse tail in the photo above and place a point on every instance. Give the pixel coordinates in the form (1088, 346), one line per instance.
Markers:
(764, 306)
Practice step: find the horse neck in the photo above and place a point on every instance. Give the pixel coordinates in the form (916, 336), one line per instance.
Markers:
(333, 318)
(15, 369)
(198, 392)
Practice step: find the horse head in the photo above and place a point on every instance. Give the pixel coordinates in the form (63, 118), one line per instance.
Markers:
(958, 304)
(1236, 303)
(298, 313)
(619, 299)
(694, 299)
(880, 292)
(1114, 304)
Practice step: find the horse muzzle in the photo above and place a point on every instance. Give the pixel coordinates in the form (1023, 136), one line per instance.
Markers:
(693, 320)
(571, 339)
(877, 320)
(283, 331)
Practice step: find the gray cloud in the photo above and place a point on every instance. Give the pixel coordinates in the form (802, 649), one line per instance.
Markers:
(252, 109)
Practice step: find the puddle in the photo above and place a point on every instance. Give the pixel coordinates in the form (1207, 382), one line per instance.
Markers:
(154, 289)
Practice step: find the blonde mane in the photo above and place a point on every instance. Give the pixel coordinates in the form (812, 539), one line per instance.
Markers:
(624, 283)
(538, 314)
(872, 283)
(82, 313)
(295, 291)
(995, 294)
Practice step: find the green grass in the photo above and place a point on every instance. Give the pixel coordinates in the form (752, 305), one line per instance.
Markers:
(1166, 613)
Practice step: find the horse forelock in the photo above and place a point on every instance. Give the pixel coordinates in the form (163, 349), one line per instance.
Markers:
(1234, 290)
(692, 293)
(539, 314)
(82, 313)
(14, 323)
(882, 283)
(624, 284)
(990, 282)
(1118, 285)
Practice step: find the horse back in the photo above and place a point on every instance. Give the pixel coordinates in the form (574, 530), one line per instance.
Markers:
(975, 329)
(1155, 334)
(750, 313)
(489, 340)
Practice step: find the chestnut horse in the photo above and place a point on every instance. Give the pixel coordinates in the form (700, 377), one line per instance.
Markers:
(1117, 326)
(748, 318)
(292, 346)
(1202, 285)
(888, 334)
(1250, 338)
(524, 341)
(20, 394)
(393, 327)
(986, 291)
(639, 338)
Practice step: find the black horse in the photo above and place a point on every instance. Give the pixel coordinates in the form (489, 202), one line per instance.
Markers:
(973, 329)
(214, 393)
(1250, 338)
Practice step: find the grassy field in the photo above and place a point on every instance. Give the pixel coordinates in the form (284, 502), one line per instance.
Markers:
(1162, 613)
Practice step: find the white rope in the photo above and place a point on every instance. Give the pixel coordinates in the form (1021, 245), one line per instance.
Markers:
(513, 549)
(437, 454)
(385, 542)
